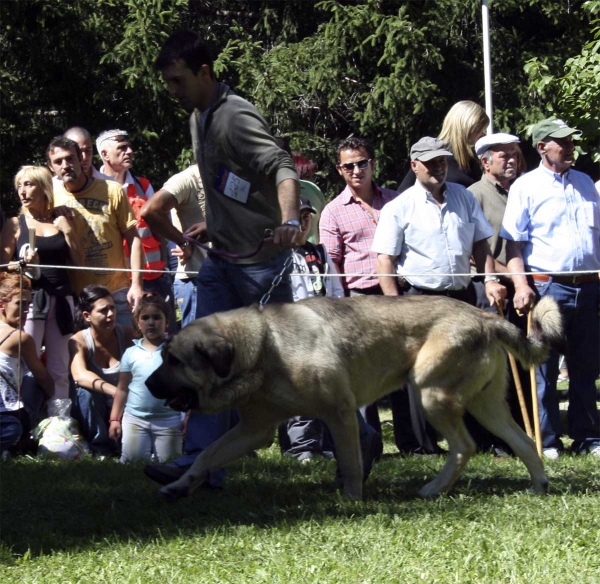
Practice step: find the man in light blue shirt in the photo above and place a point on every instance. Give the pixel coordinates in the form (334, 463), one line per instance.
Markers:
(428, 235)
(552, 229)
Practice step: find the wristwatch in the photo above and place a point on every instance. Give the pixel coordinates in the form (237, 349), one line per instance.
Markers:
(491, 279)
(292, 222)
(184, 245)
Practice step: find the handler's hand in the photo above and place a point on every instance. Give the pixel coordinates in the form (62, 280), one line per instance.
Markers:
(198, 231)
(524, 299)
(287, 236)
(495, 293)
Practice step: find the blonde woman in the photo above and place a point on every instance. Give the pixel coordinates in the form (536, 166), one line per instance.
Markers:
(463, 125)
(50, 317)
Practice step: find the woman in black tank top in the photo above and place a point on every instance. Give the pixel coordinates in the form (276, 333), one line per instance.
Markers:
(50, 317)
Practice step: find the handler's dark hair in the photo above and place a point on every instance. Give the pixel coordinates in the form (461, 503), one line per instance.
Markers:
(65, 144)
(187, 46)
(86, 301)
(354, 143)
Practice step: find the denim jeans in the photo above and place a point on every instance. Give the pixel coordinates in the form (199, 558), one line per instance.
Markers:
(10, 431)
(91, 409)
(579, 306)
(223, 286)
(185, 295)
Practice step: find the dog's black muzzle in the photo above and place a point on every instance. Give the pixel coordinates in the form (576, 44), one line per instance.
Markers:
(180, 399)
(158, 387)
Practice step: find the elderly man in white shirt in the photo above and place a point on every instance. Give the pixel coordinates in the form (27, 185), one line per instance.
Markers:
(552, 229)
(428, 235)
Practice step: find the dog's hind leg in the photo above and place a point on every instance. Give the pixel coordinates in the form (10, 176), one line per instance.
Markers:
(242, 439)
(491, 410)
(343, 426)
(447, 419)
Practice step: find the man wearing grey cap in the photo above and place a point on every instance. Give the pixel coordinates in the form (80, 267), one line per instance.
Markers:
(551, 225)
(428, 235)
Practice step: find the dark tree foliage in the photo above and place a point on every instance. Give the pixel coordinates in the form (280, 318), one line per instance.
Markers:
(319, 71)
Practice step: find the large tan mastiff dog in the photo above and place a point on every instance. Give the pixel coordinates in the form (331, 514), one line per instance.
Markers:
(326, 357)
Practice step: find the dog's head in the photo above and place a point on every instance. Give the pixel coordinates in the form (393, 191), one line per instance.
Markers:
(195, 361)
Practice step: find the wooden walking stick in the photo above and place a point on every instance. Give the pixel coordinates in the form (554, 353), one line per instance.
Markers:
(517, 378)
(534, 395)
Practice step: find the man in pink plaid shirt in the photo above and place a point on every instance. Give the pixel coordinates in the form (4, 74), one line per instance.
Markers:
(347, 227)
(348, 223)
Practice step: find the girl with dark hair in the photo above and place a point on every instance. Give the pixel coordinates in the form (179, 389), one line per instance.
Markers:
(145, 425)
(96, 352)
(19, 402)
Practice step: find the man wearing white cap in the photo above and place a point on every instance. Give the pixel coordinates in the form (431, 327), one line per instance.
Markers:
(551, 225)
(498, 156)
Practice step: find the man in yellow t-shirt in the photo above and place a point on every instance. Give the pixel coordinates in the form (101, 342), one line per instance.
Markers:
(102, 219)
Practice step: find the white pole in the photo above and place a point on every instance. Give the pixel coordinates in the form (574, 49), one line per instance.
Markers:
(487, 65)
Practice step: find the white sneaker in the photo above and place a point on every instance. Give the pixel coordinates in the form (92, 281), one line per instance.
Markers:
(552, 453)
(596, 451)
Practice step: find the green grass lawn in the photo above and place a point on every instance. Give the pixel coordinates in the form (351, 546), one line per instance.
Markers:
(279, 521)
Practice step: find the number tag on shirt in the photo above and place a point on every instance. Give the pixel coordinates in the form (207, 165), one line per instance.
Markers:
(232, 186)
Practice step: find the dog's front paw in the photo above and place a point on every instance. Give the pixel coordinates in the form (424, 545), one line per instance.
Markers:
(174, 491)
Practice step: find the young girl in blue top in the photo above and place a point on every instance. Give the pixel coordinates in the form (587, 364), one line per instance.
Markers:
(146, 426)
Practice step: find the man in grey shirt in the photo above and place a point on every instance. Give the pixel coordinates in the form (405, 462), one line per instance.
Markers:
(498, 155)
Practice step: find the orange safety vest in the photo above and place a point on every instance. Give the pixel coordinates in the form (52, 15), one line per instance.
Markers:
(136, 193)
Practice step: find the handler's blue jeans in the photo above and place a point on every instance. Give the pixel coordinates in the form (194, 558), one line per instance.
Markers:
(579, 306)
(223, 286)
(185, 298)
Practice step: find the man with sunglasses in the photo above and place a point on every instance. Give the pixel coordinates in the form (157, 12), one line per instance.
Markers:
(348, 223)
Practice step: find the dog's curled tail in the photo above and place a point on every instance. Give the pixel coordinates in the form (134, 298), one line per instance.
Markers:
(546, 331)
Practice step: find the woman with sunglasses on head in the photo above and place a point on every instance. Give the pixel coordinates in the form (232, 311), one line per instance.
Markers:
(15, 396)
(96, 351)
(464, 124)
(50, 317)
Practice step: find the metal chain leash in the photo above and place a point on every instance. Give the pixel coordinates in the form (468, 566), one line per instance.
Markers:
(276, 281)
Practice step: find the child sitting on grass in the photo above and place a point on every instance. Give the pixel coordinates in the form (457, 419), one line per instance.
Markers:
(19, 401)
(145, 425)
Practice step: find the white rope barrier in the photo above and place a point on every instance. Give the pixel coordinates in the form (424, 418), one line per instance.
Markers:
(345, 275)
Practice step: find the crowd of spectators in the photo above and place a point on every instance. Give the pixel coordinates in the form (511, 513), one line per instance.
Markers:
(467, 204)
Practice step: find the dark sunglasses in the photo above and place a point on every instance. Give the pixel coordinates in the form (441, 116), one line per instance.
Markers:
(361, 164)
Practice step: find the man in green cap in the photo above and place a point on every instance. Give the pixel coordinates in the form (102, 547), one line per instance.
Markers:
(552, 231)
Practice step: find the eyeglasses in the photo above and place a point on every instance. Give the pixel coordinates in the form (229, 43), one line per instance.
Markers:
(349, 166)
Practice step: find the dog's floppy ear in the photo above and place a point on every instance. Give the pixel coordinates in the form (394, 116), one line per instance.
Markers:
(219, 352)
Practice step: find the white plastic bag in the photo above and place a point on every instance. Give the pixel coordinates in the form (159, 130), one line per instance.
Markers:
(59, 435)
